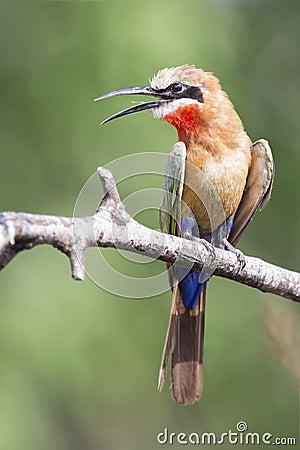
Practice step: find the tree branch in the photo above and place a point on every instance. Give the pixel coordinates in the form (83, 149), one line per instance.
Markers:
(112, 226)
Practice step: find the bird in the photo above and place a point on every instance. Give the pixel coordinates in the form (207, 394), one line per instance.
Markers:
(215, 180)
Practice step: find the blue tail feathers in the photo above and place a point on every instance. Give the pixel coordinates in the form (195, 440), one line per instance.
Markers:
(190, 288)
(192, 284)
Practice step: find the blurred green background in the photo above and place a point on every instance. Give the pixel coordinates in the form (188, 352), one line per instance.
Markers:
(78, 366)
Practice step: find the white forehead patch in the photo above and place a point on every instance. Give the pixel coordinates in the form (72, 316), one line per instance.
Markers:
(169, 107)
(186, 74)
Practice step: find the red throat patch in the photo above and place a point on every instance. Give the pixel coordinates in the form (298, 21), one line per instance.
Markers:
(187, 120)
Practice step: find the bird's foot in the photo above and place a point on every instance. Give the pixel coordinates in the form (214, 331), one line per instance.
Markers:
(209, 247)
(239, 255)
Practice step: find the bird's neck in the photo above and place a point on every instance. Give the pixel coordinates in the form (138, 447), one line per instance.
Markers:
(202, 128)
(188, 122)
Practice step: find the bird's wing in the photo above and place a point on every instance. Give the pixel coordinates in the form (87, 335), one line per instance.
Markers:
(170, 201)
(257, 190)
(184, 339)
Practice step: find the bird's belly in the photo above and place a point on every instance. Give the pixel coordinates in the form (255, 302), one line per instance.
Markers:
(213, 191)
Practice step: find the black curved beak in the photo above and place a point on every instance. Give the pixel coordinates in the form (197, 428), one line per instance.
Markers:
(141, 90)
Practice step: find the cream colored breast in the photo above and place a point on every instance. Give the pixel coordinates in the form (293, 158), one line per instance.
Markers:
(214, 186)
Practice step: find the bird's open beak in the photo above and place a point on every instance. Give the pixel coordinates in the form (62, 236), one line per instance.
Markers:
(141, 90)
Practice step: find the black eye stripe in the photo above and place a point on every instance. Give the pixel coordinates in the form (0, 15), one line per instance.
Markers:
(186, 91)
(193, 92)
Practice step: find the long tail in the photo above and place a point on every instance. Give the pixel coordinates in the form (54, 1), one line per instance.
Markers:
(184, 344)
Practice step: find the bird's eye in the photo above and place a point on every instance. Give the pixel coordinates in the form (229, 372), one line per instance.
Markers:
(177, 87)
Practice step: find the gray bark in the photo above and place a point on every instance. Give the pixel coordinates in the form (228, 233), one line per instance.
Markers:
(111, 226)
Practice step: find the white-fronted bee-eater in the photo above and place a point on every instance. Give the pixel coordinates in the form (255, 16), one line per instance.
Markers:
(215, 181)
